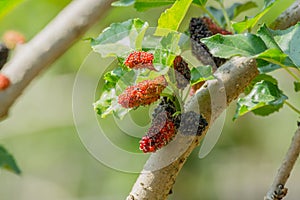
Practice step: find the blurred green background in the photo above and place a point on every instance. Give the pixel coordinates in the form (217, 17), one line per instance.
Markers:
(40, 132)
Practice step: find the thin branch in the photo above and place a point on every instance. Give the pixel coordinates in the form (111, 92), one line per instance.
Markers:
(277, 190)
(162, 168)
(56, 38)
(288, 18)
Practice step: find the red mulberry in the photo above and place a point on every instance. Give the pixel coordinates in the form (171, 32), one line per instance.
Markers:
(3, 54)
(182, 72)
(4, 82)
(192, 123)
(140, 59)
(214, 28)
(161, 132)
(143, 93)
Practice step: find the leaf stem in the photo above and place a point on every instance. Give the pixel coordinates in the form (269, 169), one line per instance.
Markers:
(210, 15)
(284, 67)
(187, 93)
(291, 73)
(292, 107)
(228, 22)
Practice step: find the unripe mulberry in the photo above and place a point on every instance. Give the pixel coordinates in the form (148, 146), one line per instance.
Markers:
(143, 93)
(182, 72)
(198, 30)
(3, 54)
(140, 59)
(4, 82)
(192, 123)
(161, 132)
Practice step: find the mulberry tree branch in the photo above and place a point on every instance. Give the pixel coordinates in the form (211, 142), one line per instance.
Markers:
(56, 38)
(288, 18)
(160, 171)
(277, 190)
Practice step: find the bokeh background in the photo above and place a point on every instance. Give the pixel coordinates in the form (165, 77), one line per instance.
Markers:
(55, 165)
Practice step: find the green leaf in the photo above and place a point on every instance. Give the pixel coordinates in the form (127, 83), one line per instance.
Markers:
(123, 3)
(8, 162)
(112, 77)
(120, 38)
(143, 5)
(297, 86)
(201, 73)
(249, 23)
(275, 53)
(172, 17)
(266, 67)
(8, 5)
(288, 40)
(238, 8)
(168, 48)
(200, 2)
(226, 46)
(260, 77)
(264, 99)
(267, 36)
(233, 11)
(275, 56)
(108, 104)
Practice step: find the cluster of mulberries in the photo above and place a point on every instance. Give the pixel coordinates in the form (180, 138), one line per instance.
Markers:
(192, 123)
(143, 93)
(3, 54)
(163, 127)
(140, 59)
(201, 28)
(182, 72)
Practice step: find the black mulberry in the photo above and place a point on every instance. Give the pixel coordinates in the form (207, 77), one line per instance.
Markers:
(198, 30)
(4, 51)
(192, 123)
(182, 72)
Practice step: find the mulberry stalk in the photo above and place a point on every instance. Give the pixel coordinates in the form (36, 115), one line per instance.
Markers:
(182, 72)
(140, 59)
(144, 93)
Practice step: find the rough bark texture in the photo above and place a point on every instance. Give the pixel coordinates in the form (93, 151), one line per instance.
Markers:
(288, 18)
(48, 45)
(162, 168)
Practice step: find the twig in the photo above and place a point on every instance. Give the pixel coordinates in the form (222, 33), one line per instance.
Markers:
(56, 38)
(277, 190)
(162, 168)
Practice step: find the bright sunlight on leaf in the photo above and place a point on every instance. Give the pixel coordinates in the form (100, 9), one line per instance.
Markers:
(172, 17)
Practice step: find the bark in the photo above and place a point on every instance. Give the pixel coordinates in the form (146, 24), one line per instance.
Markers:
(56, 38)
(288, 18)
